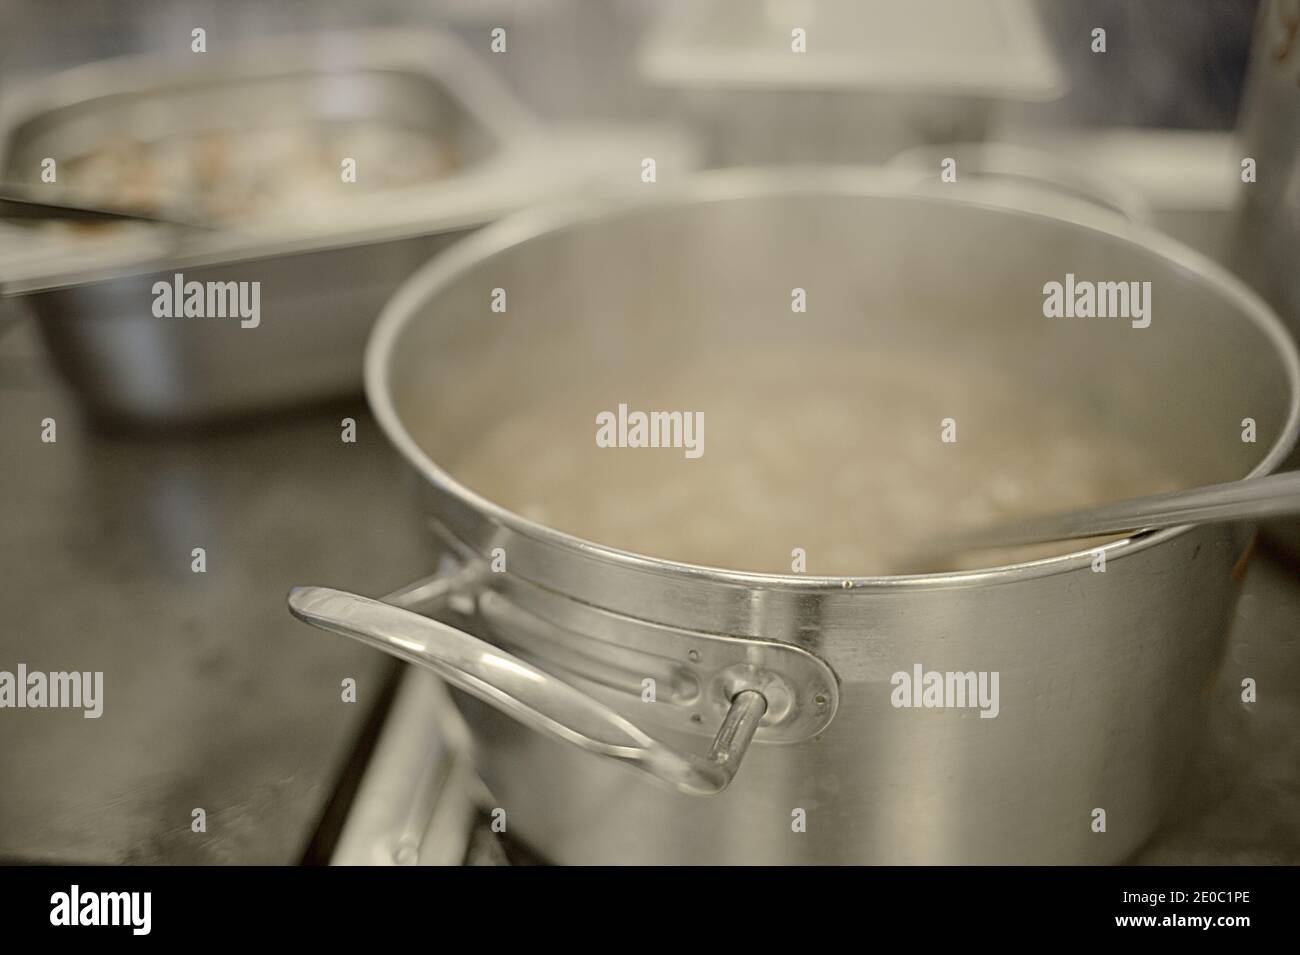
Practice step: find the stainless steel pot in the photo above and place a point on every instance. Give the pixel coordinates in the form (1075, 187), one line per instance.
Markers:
(1103, 675)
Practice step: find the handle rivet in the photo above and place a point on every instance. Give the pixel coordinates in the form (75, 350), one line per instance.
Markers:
(820, 699)
(694, 655)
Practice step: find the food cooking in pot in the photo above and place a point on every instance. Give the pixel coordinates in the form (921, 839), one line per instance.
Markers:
(850, 456)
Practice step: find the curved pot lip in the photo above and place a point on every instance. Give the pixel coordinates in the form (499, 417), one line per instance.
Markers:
(720, 185)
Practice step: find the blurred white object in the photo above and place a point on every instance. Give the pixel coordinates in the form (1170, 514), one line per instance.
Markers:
(876, 76)
(963, 47)
(1022, 167)
(1186, 179)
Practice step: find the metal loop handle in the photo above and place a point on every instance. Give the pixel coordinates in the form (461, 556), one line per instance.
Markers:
(517, 688)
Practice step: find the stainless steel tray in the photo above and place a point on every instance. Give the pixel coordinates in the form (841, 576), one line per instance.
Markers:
(324, 274)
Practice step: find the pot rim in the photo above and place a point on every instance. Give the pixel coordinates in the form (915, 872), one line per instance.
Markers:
(701, 188)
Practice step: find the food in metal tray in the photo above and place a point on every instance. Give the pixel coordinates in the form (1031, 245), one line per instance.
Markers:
(224, 176)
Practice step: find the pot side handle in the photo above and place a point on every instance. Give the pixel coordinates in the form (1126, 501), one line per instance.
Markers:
(533, 697)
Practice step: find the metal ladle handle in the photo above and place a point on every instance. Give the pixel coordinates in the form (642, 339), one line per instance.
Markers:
(532, 696)
(1276, 495)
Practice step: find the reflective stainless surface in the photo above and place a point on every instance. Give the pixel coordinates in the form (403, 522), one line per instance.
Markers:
(323, 278)
(420, 803)
(418, 799)
(1103, 674)
(748, 693)
(212, 698)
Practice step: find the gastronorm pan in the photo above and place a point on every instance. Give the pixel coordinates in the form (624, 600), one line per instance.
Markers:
(323, 272)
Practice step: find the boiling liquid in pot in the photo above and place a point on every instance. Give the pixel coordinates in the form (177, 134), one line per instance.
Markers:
(834, 451)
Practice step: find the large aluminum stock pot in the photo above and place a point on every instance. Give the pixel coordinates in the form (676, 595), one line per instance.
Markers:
(1103, 676)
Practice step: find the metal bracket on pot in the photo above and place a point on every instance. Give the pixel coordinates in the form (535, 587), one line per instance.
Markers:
(732, 674)
(695, 675)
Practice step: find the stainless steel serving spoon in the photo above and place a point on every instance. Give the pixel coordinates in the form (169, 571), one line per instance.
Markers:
(1271, 496)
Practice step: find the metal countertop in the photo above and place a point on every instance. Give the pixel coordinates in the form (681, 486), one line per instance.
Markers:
(1241, 801)
(214, 696)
